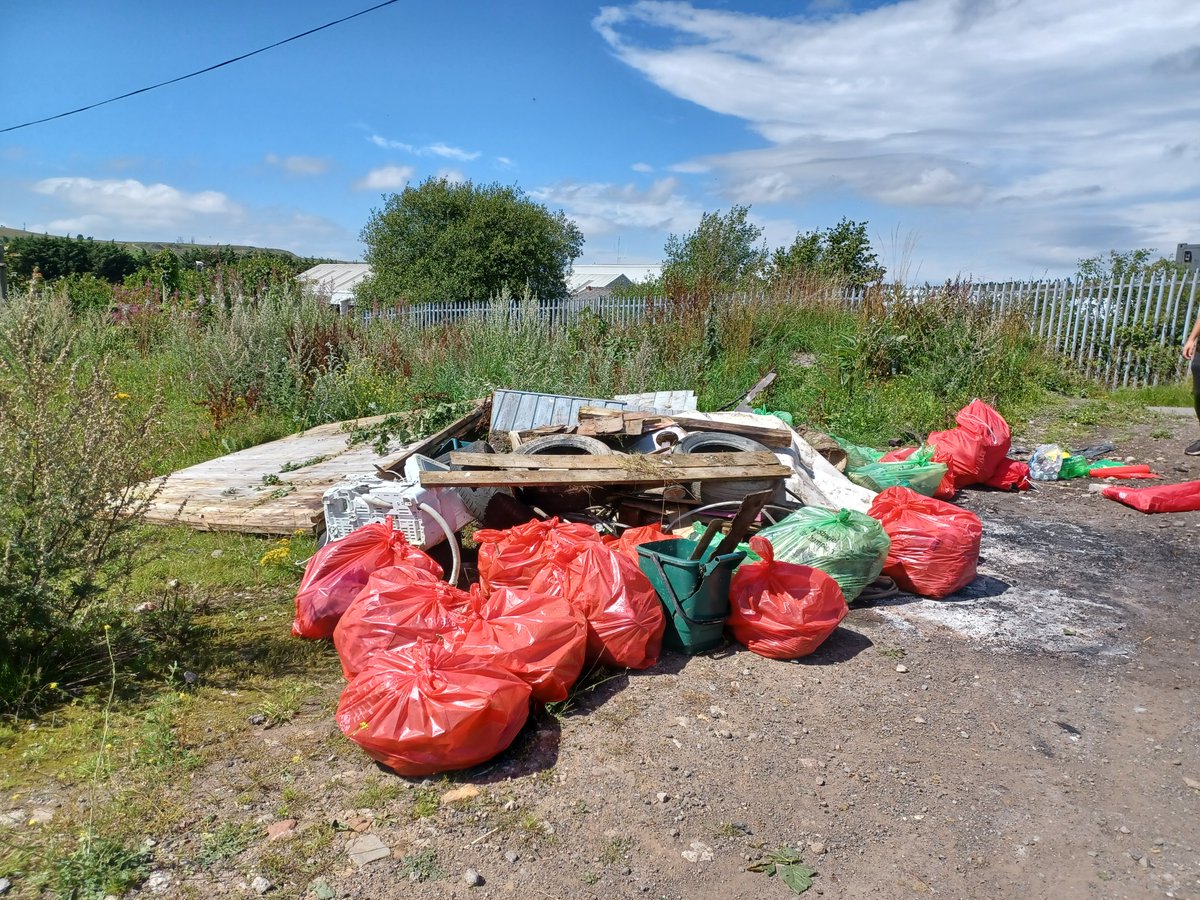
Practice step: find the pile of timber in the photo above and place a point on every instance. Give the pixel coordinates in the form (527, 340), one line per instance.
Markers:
(601, 423)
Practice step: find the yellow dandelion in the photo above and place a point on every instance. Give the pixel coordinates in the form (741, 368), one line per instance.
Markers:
(120, 395)
(53, 685)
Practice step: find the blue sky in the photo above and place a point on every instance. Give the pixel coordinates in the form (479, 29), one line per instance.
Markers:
(982, 138)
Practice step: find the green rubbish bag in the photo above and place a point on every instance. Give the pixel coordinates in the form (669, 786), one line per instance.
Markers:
(917, 472)
(849, 545)
(1080, 466)
(856, 456)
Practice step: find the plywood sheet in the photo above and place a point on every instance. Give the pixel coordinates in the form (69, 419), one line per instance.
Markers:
(229, 494)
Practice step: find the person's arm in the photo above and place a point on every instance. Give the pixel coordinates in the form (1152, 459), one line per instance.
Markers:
(1189, 346)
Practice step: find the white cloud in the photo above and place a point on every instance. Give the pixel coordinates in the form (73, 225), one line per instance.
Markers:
(385, 178)
(1054, 107)
(132, 210)
(454, 176)
(504, 162)
(445, 151)
(128, 201)
(642, 167)
(299, 165)
(600, 208)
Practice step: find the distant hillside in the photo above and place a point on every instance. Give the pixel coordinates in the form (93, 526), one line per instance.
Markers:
(154, 246)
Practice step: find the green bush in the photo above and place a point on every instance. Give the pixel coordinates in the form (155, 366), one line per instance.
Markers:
(72, 456)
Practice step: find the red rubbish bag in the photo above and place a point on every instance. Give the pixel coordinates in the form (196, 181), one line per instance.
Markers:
(426, 708)
(541, 640)
(1183, 497)
(628, 542)
(935, 545)
(898, 455)
(965, 457)
(339, 570)
(782, 610)
(979, 418)
(511, 558)
(624, 616)
(398, 605)
(1010, 475)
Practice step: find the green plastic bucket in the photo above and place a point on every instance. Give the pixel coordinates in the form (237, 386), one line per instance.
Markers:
(695, 593)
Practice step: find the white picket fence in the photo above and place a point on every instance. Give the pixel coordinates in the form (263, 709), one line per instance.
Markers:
(1121, 332)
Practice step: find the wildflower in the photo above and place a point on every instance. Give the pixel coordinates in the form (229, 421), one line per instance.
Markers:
(276, 555)
(53, 685)
(120, 395)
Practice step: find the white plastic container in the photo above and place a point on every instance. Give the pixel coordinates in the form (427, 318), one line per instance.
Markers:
(361, 499)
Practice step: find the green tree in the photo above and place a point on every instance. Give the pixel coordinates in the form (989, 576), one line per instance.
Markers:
(722, 254)
(841, 253)
(462, 241)
(1121, 264)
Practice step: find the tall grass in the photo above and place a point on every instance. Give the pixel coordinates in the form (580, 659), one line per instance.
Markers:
(235, 375)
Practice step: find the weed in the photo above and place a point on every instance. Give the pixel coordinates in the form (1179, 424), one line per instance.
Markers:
(290, 466)
(229, 840)
(893, 652)
(379, 794)
(1160, 434)
(589, 878)
(99, 867)
(616, 850)
(283, 706)
(422, 866)
(426, 802)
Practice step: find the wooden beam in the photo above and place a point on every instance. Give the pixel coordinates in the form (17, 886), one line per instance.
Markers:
(634, 463)
(599, 477)
(763, 384)
(770, 437)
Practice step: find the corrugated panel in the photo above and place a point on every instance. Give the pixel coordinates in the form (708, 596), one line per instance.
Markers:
(522, 410)
(665, 402)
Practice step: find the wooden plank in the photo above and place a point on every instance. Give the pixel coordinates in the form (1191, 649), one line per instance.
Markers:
(636, 462)
(766, 435)
(598, 477)
(763, 384)
(394, 468)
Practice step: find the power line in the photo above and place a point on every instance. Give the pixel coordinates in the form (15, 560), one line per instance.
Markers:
(294, 37)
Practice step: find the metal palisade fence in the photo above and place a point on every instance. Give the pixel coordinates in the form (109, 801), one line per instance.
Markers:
(1122, 332)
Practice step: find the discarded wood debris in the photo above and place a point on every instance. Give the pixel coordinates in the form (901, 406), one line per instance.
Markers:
(544, 471)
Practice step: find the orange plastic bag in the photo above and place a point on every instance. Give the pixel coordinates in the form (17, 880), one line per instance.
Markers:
(628, 542)
(426, 708)
(935, 545)
(979, 418)
(398, 606)
(511, 558)
(541, 640)
(782, 610)
(624, 615)
(339, 570)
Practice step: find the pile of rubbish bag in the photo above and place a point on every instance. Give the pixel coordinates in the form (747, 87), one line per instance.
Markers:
(442, 677)
(974, 452)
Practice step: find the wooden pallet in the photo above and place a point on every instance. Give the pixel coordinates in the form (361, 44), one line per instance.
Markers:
(229, 493)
